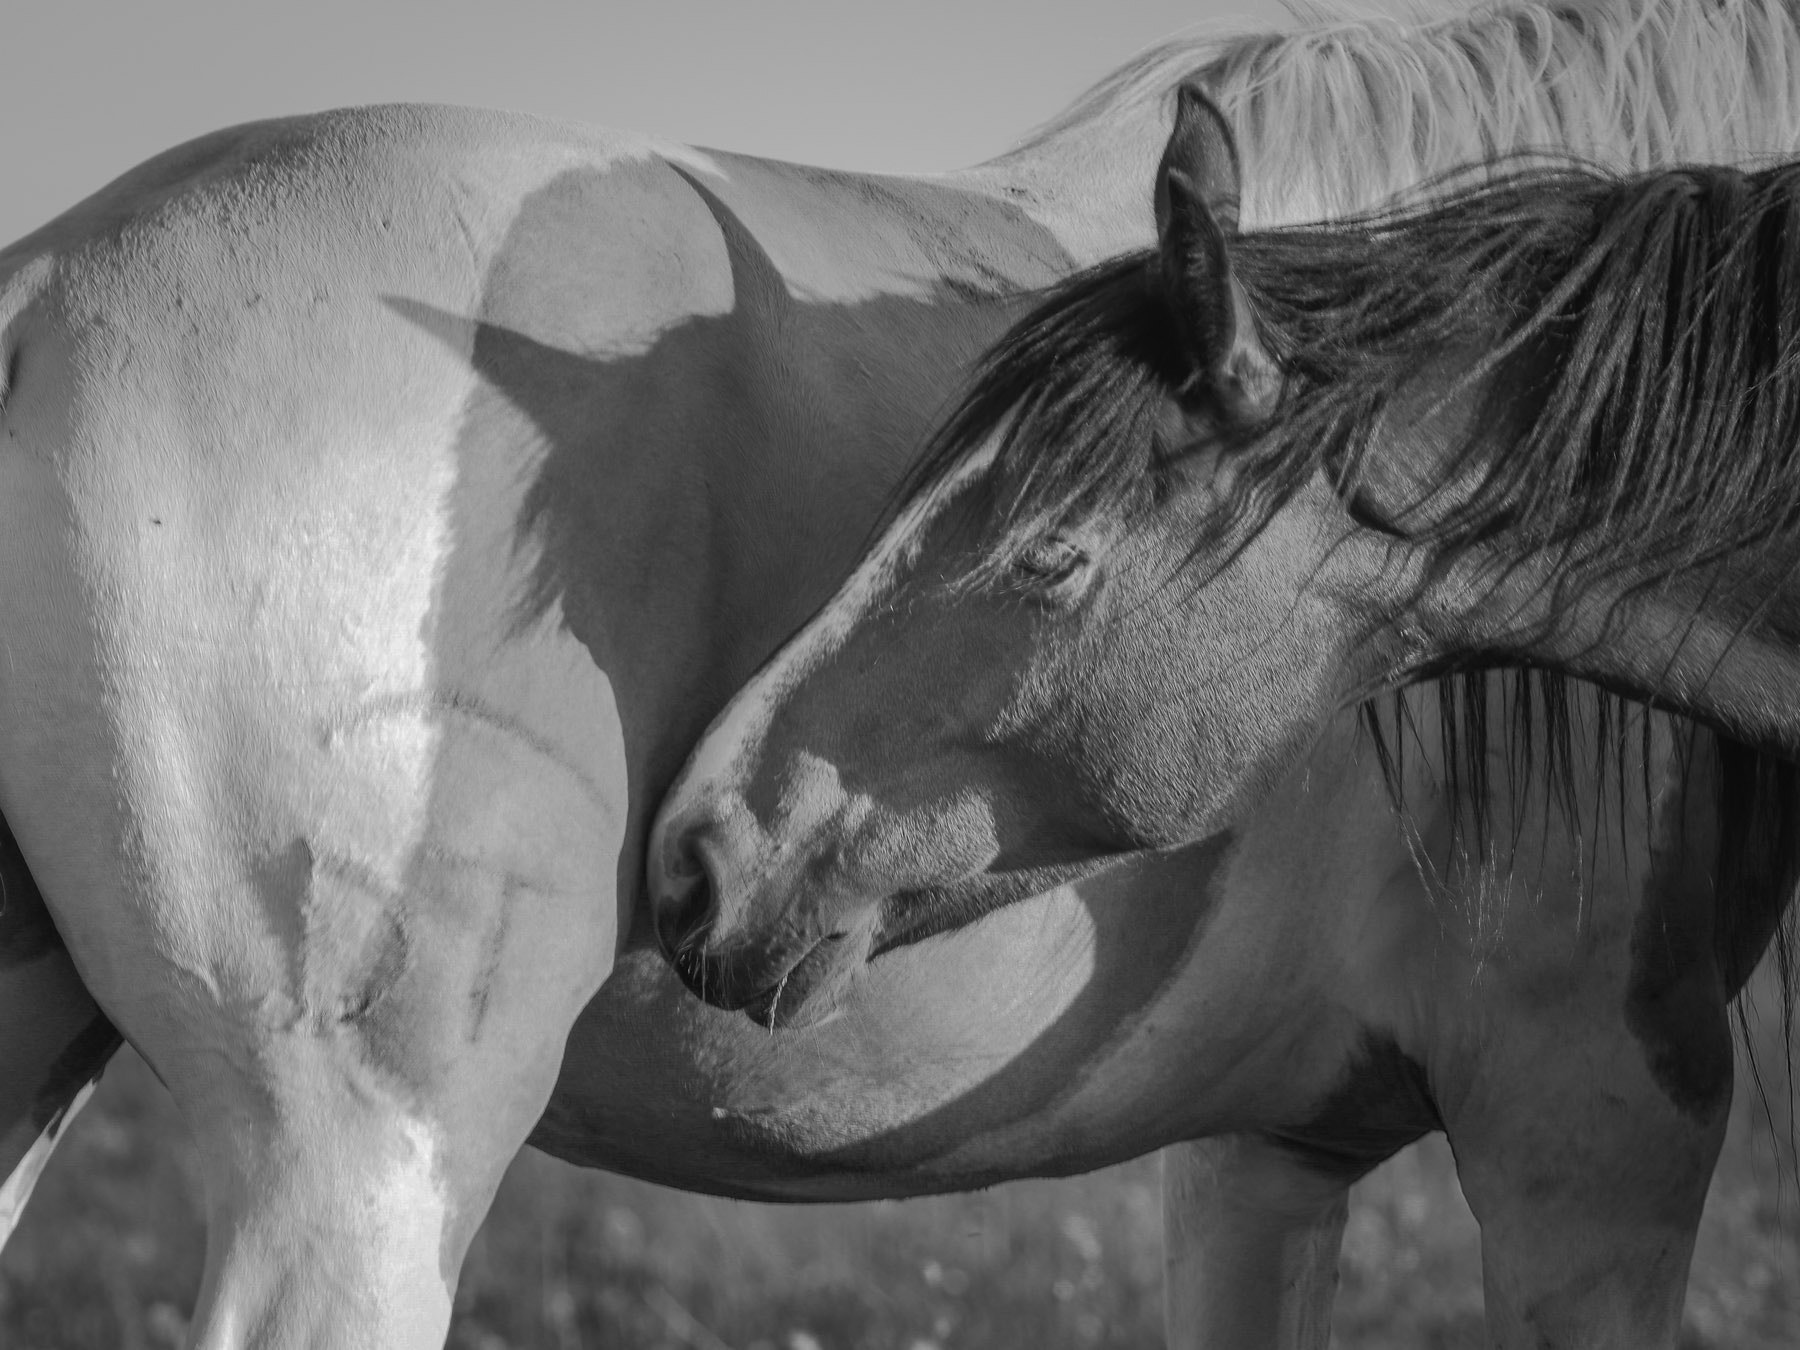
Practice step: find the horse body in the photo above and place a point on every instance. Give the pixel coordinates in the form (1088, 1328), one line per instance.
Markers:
(984, 712)
(1301, 996)
(344, 777)
(393, 497)
(339, 832)
(1056, 1036)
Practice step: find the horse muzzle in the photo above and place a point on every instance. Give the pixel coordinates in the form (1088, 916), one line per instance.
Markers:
(790, 984)
(740, 937)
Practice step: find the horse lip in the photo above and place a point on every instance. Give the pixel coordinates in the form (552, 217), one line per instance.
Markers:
(807, 994)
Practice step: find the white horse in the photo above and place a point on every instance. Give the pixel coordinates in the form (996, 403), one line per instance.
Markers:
(392, 496)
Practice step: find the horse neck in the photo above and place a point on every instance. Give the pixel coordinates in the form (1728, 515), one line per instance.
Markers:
(1701, 649)
(1720, 645)
(1717, 641)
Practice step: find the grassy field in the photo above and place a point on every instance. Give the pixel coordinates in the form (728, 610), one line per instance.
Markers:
(109, 1255)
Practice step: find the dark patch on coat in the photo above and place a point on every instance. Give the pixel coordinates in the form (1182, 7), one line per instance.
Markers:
(481, 993)
(1758, 856)
(282, 881)
(81, 1062)
(383, 973)
(27, 932)
(1381, 1103)
(1675, 997)
(9, 377)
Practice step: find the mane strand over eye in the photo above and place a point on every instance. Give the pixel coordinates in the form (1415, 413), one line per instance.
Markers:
(1070, 404)
(1636, 360)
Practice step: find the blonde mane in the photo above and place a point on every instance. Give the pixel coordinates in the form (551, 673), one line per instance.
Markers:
(1631, 84)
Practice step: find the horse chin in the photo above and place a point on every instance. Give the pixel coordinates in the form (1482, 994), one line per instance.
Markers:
(813, 987)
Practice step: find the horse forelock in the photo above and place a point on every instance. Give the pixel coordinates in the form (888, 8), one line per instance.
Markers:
(1063, 416)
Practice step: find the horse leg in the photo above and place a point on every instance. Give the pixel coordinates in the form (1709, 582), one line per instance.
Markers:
(360, 1013)
(30, 1139)
(54, 1040)
(1588, 1111)
(1588, 1177)
(1252, 1228)
(350, 1148)
(352, 1145)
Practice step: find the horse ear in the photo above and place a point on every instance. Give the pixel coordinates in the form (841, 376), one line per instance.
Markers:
(1197, 188)
(1201, 149)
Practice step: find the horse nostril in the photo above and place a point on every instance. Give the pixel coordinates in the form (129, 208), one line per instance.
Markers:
(684, 911)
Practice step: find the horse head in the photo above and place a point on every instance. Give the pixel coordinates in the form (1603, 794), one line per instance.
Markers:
(1208, 495)
(1022, 681)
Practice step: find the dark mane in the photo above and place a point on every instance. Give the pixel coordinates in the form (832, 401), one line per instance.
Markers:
(1646, 394)
(1633, 347)
(1654, 323)
(1077, 392)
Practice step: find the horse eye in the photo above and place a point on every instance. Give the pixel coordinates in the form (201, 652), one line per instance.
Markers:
(1357, 504)
(1357, 507)
(1050, 562)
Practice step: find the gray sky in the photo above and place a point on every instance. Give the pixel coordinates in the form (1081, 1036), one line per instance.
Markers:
(90, 87)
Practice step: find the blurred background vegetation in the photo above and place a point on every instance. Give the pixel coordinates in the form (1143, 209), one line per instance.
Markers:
(109, 1254)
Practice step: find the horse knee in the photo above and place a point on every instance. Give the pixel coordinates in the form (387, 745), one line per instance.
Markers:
(340, 1220)
(335, 1235)
(350, 1159)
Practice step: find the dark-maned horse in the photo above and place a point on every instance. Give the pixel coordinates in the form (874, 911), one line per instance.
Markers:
(393, 496)
(1208, 496)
